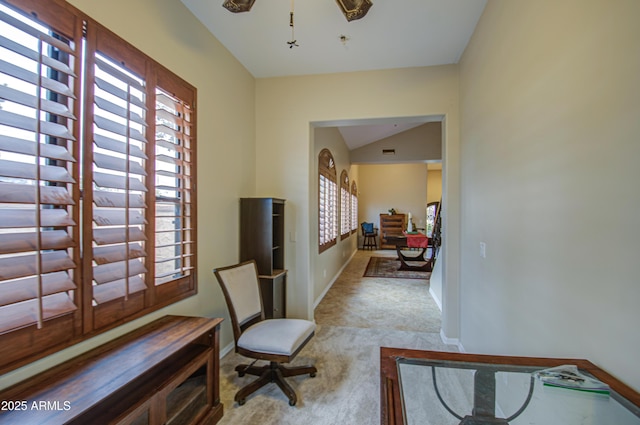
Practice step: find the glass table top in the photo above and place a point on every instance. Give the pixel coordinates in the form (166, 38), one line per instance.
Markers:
(445, 392)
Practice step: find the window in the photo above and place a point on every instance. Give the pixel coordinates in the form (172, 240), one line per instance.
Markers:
(97, 190)
(354, 207)
(327, 200)
(345, 206)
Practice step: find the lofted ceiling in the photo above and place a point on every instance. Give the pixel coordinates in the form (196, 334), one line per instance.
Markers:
(393, 34)
(356, 136)
(360, 132)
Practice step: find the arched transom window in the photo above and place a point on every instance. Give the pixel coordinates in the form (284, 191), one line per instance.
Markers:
(327, 200)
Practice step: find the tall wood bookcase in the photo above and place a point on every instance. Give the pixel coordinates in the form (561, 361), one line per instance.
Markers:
(392, 225)
(262, 239)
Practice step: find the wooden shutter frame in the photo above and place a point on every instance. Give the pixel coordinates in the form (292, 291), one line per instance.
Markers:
(155, 297)
(22, 346)
(118, 310)
(185, 286)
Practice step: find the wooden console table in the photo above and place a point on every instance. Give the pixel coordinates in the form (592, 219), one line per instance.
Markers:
(405, 241)
(166, 372)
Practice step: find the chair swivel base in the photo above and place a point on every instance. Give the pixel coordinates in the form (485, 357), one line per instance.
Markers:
(273, 372)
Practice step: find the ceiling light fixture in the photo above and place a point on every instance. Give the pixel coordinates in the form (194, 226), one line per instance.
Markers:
(354, 9)
(293, 43)
(237, 6)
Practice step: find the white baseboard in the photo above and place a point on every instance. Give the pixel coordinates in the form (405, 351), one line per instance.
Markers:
(333, 280)
(452, 341)
(227, 349)
(436, 299)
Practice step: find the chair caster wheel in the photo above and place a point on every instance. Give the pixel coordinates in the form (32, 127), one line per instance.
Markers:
(312, 374)
(292, 402)
(242, 402)
(240, 374)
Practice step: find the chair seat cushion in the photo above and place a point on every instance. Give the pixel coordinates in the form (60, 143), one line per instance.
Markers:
(276, 336)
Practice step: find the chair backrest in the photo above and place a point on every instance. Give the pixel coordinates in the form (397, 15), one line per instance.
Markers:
(241, 290)
(367, 228)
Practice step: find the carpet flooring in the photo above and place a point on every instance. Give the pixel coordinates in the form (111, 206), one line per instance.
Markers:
(356, 317)
(380, 303)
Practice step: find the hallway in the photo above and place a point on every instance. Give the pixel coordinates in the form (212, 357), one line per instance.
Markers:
(357, 316)
(381, 303)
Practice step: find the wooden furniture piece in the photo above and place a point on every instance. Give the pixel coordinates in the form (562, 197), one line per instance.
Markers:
(262, 239)
(369, 236)
(275, 340)
(405, 402)
(391, 225)
(412, 263)
(166, 372)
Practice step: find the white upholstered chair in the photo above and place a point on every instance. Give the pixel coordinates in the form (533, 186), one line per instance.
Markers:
(275, 340)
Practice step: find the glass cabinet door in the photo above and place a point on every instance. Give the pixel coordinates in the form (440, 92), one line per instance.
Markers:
(188, 397)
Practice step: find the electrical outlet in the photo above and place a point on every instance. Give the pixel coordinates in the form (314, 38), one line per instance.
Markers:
(483, 250)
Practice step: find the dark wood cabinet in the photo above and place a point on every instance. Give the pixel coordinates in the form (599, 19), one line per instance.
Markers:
(392, 225)
(262, 238)
(166, 372)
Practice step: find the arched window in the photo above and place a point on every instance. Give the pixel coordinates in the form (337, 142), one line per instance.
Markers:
(327, 200)
(345, 206)
(354, 207)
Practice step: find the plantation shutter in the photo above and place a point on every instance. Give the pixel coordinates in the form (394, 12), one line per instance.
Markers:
(345, 205)
(97, 181)
(38, 181)
(175, 215)
(115, 179)
(327, 200)
(325, 234)
(354, 207)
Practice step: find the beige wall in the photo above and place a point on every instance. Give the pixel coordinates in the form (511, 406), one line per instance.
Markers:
(168, 32)
(434, 185)
(287, 109)
(399, 186)
(550, 126)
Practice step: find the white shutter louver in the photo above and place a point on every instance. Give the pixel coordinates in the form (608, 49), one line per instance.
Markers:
(344, 212)
(345, 205)
(333, 211)
(37, 208)
(354, 208)
(327, 200)
(174, 169)
(118, 190)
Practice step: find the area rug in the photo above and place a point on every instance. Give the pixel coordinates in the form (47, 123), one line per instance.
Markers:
(388, 267)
